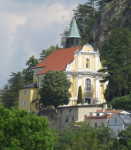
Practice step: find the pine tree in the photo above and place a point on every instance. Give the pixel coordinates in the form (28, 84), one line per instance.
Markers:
(85, 16)
(47, 51)
(28, 72)
(11, 90)
(64, 38)
(115, 55)
(79, 95)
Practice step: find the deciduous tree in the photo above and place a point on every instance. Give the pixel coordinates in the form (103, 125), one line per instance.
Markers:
(55, 89)
(20, 130)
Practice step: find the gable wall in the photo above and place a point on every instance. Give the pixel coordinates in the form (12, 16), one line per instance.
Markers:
(118, 126)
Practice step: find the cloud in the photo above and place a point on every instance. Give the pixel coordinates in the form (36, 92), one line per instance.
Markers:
(27, 27)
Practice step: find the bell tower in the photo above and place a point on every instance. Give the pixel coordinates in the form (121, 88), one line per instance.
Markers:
(73, 38)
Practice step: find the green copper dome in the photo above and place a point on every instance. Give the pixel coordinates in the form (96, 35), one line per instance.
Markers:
(74, 32)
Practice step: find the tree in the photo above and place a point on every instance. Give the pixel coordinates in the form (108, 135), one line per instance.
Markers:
(21, 130)
(85, 16)
(115, 55)
(11, 90)
(28, 72)
(123, 102)
(49, 50)
(102, 3)
(80, 135)
(55, 89)
(64, 38)
(79, 95)
(125, 137)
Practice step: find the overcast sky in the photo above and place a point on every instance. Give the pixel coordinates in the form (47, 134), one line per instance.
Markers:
(29, 26)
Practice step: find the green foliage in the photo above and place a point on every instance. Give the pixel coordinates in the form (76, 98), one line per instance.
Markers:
(102, 3)
(86, 15)
(19, 130)
(79, 95)
(64, 38)
(28, 72)
(49, 50)
(81, 136)
(123, 142)
(123, 102)
(55, 89)
(115, 55)
(11, 90)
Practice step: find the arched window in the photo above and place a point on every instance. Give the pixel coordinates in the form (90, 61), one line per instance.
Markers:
(24, 103)
(87, 63)
(88, 85)
(24, 92)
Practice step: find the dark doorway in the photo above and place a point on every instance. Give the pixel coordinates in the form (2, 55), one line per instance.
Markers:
(88, 100)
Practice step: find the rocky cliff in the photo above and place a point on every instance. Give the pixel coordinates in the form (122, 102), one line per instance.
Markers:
(114, 14)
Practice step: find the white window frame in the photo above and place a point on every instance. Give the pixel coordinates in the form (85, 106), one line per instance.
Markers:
(89, 98)
(85, 62)
(85, 84)
(24, 103)
(40, 82)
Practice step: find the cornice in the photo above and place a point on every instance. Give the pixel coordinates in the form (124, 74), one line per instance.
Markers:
(93, 73)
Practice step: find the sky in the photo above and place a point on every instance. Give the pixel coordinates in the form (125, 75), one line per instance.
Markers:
(29, 26)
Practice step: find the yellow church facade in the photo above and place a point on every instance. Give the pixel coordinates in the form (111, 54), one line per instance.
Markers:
(80, 65)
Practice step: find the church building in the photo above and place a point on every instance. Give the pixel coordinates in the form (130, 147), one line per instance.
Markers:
(79, 63)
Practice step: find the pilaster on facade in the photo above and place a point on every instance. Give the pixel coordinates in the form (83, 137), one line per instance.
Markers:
(97, 90)
(68, 76)
(96, 61)
(73, 85)
(79, 80)
(79, 62)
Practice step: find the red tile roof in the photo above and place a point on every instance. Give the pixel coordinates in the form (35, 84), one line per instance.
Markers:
(107, 116)
(96, 117)
(109, 111)
(57, 60)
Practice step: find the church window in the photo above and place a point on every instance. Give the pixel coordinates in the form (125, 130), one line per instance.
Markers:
(24, 103)
(71, 41)
(76, 41)
(88, 85)
(67, 41)
(95, 125)
(87, 63)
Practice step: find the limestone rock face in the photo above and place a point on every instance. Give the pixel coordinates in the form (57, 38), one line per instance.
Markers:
(112, 15)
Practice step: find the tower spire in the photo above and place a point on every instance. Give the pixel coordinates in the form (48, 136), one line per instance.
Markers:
(74, 32)
(73, 38)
